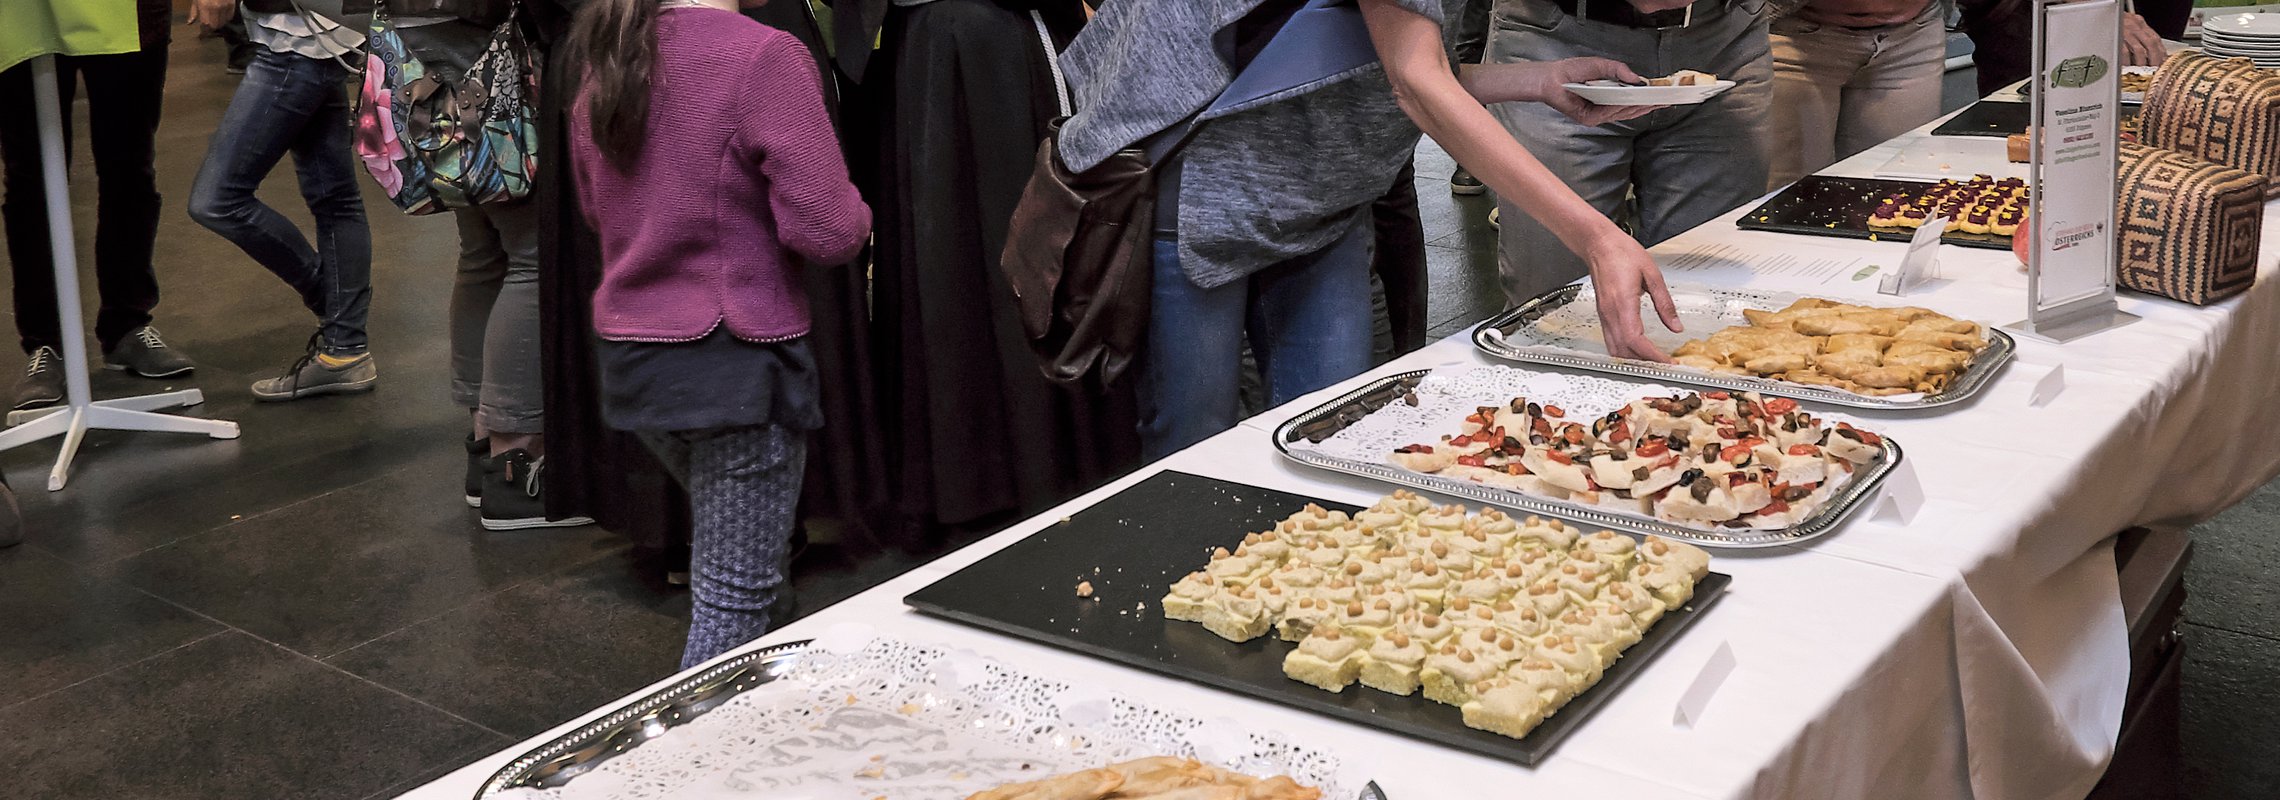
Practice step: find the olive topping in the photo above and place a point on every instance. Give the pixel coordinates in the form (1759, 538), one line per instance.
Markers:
(1848, 433)
(1535, 410)
(1689, 477)
(1638, 473)
(1538, 439)
(1700, 490)
(1678, 441)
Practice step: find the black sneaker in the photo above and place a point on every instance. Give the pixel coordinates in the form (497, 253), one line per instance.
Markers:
(42, 384)
(478, 452)
(141, 352)
(1462, 182)
(514, 494)
(310, 376)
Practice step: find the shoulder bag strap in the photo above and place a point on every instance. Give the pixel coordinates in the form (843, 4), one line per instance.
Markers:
(1053, 61)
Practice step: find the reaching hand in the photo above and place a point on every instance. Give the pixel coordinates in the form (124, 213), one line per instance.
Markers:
(1545, 82)
(2141, 47)
(212, 14)
(1621, 270)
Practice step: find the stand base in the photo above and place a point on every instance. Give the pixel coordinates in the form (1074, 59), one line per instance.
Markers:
(124, 414)
(2075, 328)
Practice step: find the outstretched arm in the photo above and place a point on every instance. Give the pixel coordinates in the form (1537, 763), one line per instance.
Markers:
(1451, 113)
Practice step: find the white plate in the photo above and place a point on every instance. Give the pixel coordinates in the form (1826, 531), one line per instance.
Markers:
(2240, 44)
(2257, 25)
(1609, 93)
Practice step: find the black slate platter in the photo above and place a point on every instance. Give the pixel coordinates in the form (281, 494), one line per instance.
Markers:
(1134, 545)
(1822, 205)
(1997, 118)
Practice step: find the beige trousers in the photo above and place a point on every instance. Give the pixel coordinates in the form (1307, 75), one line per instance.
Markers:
(1838, 91)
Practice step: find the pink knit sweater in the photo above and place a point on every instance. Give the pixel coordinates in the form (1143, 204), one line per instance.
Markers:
(741, 165)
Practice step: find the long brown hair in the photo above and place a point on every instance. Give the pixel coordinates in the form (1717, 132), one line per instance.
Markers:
(616, 41)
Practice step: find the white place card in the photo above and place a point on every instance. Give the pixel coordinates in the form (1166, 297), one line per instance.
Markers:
(1706, 684)
(2048, 389)
(1902, 495)
(1921, 266)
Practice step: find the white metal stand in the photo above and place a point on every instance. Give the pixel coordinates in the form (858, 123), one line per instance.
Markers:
(82, 413)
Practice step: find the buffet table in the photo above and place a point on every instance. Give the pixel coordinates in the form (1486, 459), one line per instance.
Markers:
(1979, 650)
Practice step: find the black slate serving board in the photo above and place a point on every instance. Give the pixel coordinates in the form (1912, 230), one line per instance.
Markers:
(1997, 118)
(1823, 205)
(1134, 545)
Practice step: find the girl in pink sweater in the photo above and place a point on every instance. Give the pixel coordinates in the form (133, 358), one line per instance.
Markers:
(706, 161)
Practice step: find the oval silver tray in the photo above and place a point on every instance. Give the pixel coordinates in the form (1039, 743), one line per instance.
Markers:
(580, 751)
(1512, 329)
(1327, 419)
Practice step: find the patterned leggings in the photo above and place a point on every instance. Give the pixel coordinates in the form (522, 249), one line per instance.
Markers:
(744, 488)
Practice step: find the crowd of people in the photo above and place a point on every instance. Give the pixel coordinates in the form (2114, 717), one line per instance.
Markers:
(746, 232)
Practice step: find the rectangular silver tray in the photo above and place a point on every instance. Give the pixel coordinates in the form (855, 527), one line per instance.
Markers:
(580, 751)
(1518, 337)
(1327, 419)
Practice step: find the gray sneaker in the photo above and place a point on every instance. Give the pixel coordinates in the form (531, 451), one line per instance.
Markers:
(42, 384)
(143, 353)
(310, 376)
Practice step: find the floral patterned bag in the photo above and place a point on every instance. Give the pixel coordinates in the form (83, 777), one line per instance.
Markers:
(436, 144)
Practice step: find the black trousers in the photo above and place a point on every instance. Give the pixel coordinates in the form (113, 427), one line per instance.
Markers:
(1399, 261)
(124, 92)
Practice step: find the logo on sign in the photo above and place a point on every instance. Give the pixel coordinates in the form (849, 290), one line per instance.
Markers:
(2079, 71)
(2068, 238)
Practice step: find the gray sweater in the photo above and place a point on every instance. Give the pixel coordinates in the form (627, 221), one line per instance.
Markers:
(1261, 182)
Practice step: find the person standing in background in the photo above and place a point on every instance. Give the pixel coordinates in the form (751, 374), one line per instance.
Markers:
(1470, 22)
(124, 94)
(977, 436)
(495, 369)
(1683, 164)
(705, 160)
(293, 100)
(1849, 75)
(2003, 32)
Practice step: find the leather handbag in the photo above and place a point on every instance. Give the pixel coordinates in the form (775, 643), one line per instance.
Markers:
(1079, 253)
(1078, 258)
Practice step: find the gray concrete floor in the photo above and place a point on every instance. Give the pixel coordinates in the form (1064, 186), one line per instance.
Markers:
(310, 612)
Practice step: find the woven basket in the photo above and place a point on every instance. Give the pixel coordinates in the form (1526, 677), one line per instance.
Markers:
(2224, 111)
(2189, 229)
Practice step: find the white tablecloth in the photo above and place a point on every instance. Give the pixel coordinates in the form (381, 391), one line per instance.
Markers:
(1979, 651)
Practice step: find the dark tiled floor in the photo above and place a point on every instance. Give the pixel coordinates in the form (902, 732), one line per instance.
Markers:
(309, 611)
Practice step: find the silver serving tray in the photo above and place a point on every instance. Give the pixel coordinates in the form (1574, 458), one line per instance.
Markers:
(580, 751)
(1326, 419)
(1511, 341)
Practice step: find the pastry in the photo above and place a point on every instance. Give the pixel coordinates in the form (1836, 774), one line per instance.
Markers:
(1819, 342)
(1506, 708)
(1505, 618)
(1684, 77)
(1327, 660)
(1157, 778)
(1393, 664)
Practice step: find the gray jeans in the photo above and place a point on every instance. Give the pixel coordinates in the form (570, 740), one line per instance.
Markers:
(1684, 164)
(1838, 91)
(744, 494)
(494, 318)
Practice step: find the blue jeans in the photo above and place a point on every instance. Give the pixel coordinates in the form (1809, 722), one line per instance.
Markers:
(1308, 320)
(291, 103)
